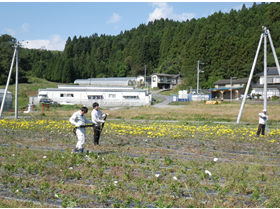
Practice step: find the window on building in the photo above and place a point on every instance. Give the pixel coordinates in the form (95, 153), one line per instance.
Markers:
(154, 79)
(95, 97)
(112, 96)
(131, 97)
(66, 95)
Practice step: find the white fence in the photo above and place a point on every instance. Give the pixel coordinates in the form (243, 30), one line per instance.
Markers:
(270, 92)
(190, 97)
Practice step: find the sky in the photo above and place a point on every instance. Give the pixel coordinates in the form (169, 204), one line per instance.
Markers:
(49, 24)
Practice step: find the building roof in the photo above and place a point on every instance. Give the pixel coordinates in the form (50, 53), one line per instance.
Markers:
(2, 91)
(167, 75)
(113, 79)
(226, 88)
(94, 87)
(91, 90)
(234, 81)
(270, 71)
(106, 81)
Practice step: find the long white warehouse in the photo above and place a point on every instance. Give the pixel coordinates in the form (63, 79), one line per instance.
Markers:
(105, 96)
(112, 81)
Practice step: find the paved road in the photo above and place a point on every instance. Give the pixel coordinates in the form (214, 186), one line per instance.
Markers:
(166, 100)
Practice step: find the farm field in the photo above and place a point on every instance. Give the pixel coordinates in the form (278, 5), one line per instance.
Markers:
(139, 164)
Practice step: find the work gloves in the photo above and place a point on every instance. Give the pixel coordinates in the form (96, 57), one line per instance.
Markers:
(79, 124)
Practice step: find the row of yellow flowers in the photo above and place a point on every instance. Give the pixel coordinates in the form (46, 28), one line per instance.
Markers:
(150, 130)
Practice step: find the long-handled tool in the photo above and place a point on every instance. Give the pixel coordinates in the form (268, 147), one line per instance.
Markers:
(84, 126)
(103, 123)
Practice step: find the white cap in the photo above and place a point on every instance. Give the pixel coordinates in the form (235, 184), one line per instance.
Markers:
(264, 110)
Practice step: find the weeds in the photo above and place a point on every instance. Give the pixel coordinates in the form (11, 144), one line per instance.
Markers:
(36, 163)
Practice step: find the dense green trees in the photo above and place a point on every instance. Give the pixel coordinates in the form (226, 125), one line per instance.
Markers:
(225, 42)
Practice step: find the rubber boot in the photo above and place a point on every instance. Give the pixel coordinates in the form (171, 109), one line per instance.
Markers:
(81, 151)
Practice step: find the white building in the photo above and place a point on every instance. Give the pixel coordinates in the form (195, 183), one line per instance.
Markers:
(273, 83)
(164, 81)
(86, 95)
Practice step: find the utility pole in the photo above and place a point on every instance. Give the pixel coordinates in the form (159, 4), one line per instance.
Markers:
(145, 77)
(8, 81)
(16, 90)
(231, 87)
(198, 71)
(263, 35)
(265, 71)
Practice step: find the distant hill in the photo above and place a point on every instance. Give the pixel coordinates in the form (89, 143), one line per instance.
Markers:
(225, 42)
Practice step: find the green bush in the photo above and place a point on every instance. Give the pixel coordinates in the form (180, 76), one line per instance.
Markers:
(258, 96)
(274, 98)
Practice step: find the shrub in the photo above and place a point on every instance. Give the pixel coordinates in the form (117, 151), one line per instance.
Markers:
(258, 96)
(274, 98)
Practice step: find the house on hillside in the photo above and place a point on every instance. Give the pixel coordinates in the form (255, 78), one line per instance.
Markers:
(165, 81)
(273, 83)
(224, 87)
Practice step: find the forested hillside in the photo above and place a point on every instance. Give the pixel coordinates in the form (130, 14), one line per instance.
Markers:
(225, 42)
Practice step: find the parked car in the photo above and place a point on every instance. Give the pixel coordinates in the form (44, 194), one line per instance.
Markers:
(47, 101)
(242, 95)
(67, 103)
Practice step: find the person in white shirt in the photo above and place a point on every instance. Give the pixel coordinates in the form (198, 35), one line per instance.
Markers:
(96, 117)
(263, 118)
(78, 119)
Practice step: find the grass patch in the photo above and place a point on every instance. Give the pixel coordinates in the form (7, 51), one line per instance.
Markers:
(169, 92)
(158, 100)
(25, 90)
(138, 117)
(178, 103)
(19, 204)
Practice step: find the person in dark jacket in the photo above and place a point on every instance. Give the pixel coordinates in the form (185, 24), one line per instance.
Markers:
(96, 117)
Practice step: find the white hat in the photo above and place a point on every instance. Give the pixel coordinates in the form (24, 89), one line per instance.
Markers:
(264, 110)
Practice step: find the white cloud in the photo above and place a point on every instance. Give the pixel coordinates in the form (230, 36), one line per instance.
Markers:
(239, 7)
(162, 10)
(115, 18)
(24, 28)
(10, 31)
(55, 42)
